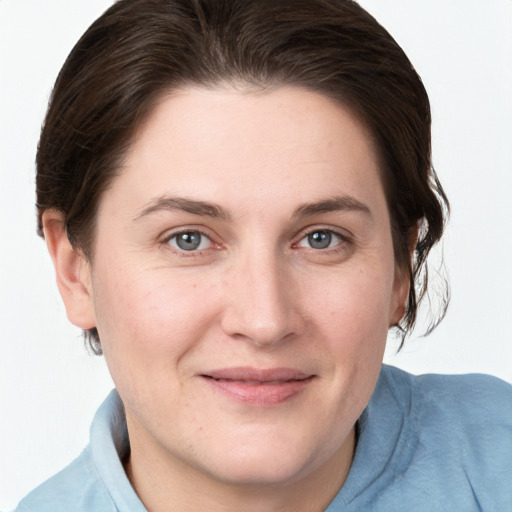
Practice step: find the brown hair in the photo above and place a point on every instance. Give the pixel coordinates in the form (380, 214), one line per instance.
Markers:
(140, 49)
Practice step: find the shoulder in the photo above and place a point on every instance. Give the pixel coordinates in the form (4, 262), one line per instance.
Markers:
(473, 406)
(474, 401)
(478, 413)
(95, 481)
(460, 434)
(452, 393)
(78, 487)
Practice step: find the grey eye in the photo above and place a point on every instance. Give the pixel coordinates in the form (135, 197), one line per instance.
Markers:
(320, 239)
(190, 241)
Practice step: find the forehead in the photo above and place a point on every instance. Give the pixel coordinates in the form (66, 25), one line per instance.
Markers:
(271, 117)
(234, 145)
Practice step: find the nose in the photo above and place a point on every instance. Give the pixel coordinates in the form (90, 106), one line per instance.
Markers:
(261, 304)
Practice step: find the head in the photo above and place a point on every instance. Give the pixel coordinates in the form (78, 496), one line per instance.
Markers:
(232, 118)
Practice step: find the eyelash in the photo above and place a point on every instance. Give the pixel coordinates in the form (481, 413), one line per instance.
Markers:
(344, 242)
(183, 252)
(342, 245)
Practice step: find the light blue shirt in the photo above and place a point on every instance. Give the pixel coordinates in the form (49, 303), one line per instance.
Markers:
(432, 443)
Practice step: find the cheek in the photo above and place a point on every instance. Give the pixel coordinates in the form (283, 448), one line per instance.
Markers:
(352, 315)
(355, 305)
(148, 321)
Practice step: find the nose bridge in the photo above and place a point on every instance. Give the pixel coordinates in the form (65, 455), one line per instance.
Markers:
(260, 303)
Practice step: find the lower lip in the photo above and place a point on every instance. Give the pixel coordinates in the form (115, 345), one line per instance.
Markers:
(264, 394)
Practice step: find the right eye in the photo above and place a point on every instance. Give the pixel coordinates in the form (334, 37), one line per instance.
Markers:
(190, 241)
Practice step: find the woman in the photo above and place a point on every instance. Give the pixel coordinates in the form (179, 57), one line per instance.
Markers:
(239, 202)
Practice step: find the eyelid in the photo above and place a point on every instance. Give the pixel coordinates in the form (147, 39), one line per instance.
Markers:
(345, 243)
(335, 237)
(170, 234)
(308, 230)
(204, 241)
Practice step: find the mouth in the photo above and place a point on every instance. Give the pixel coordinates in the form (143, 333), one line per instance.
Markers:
(258, 387)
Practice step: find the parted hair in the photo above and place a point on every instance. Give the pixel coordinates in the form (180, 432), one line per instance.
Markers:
(139, 50)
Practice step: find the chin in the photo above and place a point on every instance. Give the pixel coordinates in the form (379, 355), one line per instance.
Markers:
(265, 463)
(270, 472)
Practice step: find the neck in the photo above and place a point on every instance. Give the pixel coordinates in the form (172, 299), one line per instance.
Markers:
(161, 482)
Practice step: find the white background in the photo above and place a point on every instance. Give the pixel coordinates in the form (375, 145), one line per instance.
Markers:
(50, 386)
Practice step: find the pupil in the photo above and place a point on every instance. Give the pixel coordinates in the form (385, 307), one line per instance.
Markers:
(320, 239)
(188, 241)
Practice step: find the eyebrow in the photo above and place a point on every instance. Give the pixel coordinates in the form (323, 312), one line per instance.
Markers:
(333, 204)
(203, 208)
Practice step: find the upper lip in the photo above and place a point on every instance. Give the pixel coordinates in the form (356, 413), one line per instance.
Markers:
(245, 373)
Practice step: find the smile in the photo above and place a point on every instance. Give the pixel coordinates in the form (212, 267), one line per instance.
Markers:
(258, 388)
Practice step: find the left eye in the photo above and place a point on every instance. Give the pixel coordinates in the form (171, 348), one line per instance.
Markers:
(190, 241)
(321, 239)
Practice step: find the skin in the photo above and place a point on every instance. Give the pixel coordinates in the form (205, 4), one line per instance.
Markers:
(273, 167)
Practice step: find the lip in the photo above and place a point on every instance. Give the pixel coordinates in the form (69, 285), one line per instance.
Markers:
(258, 387)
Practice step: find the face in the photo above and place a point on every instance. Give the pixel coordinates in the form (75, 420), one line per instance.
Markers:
(243, 283)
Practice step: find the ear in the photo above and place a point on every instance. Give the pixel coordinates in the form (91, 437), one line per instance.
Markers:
(72, 270)
(400, 296)
(401, 285)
